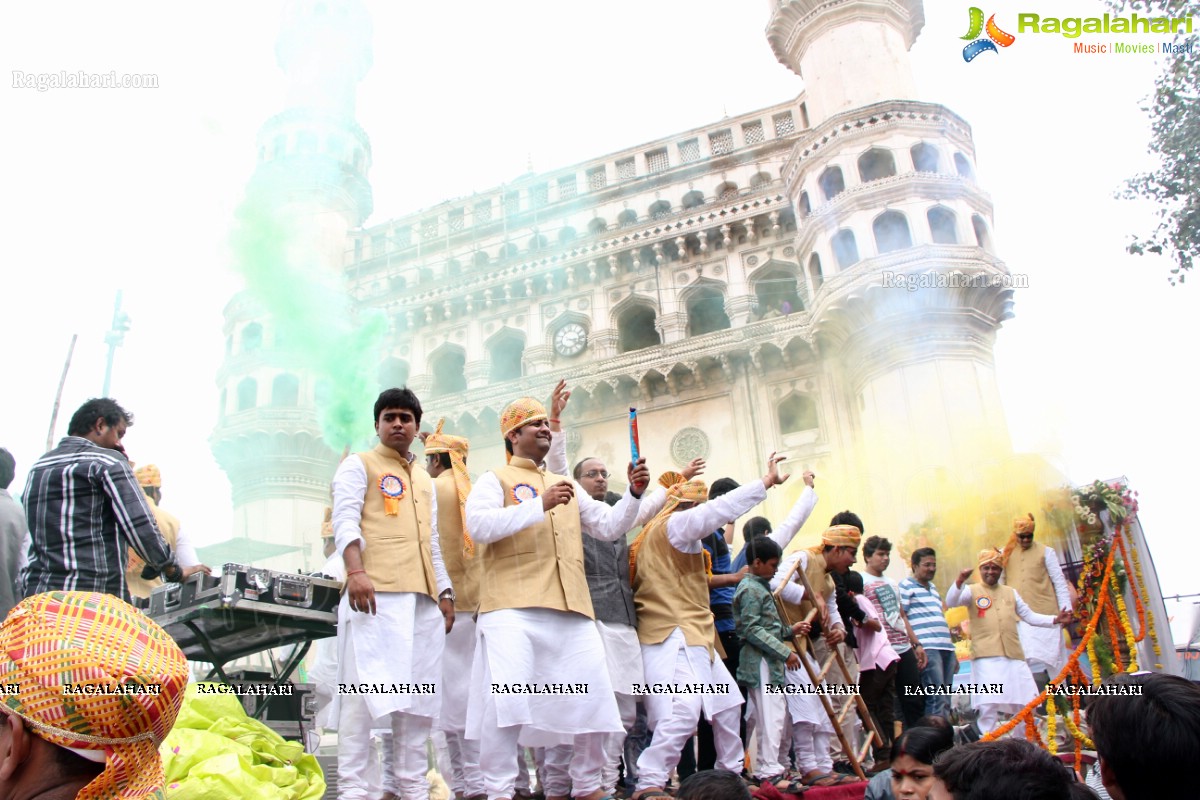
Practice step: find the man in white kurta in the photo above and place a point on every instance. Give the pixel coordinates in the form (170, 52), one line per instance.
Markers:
(676, 629)
(998, 670)
(1033, 570)
(539, 675)
(397, 606)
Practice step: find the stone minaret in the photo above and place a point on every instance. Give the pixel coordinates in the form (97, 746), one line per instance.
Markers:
(311, 182)
(884, 187)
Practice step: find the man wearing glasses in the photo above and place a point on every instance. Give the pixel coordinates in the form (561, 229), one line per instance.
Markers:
(1034, 571)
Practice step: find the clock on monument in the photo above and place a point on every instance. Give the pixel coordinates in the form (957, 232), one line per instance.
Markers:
(570, 339)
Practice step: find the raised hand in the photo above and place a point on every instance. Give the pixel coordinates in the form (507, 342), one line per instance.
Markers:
(962, 576)
(773, 478)
(809, 476)
(559, 399)
(695, 467)
(557, 495)
(639, 477)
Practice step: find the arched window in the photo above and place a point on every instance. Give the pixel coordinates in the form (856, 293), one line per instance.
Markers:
(831, 182)
(566, 235)
(659, 209)
(480, 258)
(982, 237)
(815, 275)
(760, 180)
(727, 191)
(393, 373)
(306, 143)
(285, 391)
(635, 328)
(797, 413)
(453, 267)
(507, 250)
(627, 217)
(942, 225)
(597, 226)
(803, 205)
(693, 199)
(252, 337)
(448, 375)
(776, 293)
(247, 394)
(845, 249)
(963, 166)
(924, 157)
(506, 354)
(706, 312)
(891, 232)
(876, 164)
(537, 242)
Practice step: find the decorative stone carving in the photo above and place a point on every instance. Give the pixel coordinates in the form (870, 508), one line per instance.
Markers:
(688, 444)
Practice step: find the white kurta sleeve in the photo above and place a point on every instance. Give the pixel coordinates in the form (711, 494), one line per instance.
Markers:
(1032, 617)
(349, 494)
(958, 597)
(685, 529)
(489, 520)
(799, 514)
(793, 592)
(1054, 570)
(185, 551)
(602, 521)
(652, 503)
(556, 459)
(440, 575)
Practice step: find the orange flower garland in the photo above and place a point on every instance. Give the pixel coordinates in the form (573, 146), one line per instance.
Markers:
(1051, 734)
(1137, 565)
(1127, 629)
(1113, 640)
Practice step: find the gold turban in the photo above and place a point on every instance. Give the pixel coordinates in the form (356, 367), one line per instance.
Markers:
(841, 536)
(669, 479)
(693, 491)
(521, 412)
(991, 555)
(60, 650)
(457, 447)
(1023, 524)
(148, 476)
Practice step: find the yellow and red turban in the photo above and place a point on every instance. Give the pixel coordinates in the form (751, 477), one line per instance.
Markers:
(990, 555)
(71, 665)
(841, 536)
(519, 412)
(456, 447)
(693, 491)
(148, 476)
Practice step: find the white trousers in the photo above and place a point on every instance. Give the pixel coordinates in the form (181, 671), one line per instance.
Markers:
(500, 769)
(662, 756)
(614, 743)
(407, 763)
(812, 748)
(465, 777)
(768, 710)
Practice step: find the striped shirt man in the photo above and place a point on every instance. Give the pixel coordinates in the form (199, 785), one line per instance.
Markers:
(84, 508)
(923, 605)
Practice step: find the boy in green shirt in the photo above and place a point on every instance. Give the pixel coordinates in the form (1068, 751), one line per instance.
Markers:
(765, 654)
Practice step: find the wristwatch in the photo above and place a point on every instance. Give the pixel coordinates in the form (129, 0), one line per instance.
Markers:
(447, 594)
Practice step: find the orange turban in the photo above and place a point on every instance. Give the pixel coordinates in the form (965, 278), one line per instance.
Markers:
(991, 555)
(1023, 524)
(841, 536)
(72, 665)
(457, 447)
(521, 412)
(148, 476)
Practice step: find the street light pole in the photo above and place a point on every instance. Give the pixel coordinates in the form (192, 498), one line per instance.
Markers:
(114, 339)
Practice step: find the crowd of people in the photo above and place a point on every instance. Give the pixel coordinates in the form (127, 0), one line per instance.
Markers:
(617, 641)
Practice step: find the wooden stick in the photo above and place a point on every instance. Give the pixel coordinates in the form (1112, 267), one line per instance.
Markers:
(58, 396)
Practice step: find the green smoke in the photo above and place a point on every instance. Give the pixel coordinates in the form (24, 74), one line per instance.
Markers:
(312, 315)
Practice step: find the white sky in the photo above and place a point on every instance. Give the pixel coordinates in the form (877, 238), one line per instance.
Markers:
(134, 189)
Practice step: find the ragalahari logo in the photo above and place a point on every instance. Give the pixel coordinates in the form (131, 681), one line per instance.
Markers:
(995, 36)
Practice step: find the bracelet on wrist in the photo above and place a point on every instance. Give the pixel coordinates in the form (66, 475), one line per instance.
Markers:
(356, 572)
(555, 421)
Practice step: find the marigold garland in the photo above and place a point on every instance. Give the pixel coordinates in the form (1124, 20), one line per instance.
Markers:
(1110, 612)
(1135, 590)
(1051, 733)
(1137, 566)
(1126, 628)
